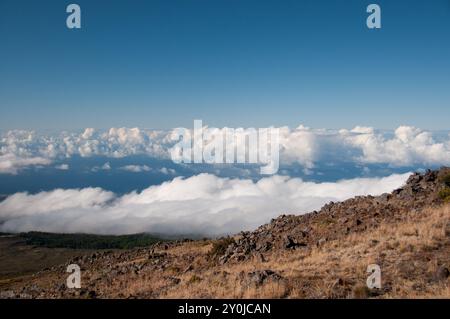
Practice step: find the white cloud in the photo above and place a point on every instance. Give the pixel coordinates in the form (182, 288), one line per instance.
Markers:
(88, 133)
(203, 204)
(145, 168)
(104, 167)
(299, 146)
(11, 164)
(62, 167)
(167, 171)
(406, 146)
(136, 168)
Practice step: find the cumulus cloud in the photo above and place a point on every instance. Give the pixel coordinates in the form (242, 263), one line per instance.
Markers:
(203, 204)
(167, 171)
(136, 168)
(11, 164)
(104, 167)
(145, 168)
(301, 146)
(62, 167)
(406, 146)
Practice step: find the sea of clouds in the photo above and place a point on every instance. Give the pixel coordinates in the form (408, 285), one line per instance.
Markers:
(202, 205)
(406, 146)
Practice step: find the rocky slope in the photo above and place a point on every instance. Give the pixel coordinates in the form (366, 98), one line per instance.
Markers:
(323, 254)
(336, 220)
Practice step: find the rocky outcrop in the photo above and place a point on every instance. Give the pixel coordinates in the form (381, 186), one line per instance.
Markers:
(335, 220)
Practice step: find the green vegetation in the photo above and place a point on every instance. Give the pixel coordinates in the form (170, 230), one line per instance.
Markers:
(194, 279)
(87, 241)
(444, 194)
(446, 180)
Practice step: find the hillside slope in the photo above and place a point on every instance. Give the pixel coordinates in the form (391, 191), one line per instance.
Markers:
(323, 254)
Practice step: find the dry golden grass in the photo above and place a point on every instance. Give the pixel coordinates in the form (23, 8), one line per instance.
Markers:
(409, 252)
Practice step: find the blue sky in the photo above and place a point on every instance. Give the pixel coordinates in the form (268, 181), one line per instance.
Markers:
(160, 64)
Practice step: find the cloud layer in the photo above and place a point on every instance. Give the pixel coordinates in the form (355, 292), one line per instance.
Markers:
(202, 205)
(406, 146)
(12, 164)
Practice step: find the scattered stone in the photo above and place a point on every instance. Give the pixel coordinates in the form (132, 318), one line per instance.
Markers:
(260, 276)
(338, 282)
(260, 258)
(188, 269)
(8, 294)
(174, 280)
(290, 243)
(447, 229)
(442, 273)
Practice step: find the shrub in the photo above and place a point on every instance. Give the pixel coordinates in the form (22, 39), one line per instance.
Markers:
(446, 179)
(444, 194)
(219, 247)
(194, 279)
